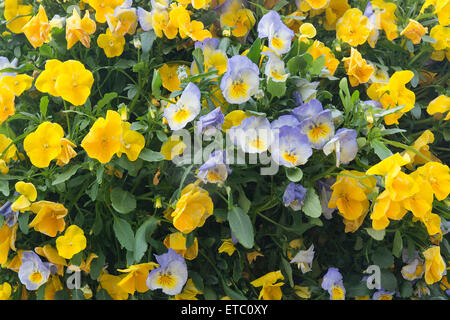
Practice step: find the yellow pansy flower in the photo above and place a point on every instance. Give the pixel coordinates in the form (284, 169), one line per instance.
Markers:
(44, 144)
(46, 81)
(233, 119)
(132, 142)
(136, 278)
(111, 44)
(110, 283)
(37, 30)
(28, 195)
(11, 153)
(7, 241)
(227, 246)
(177, 241)
(353, 27)
(237, 19)
(51, 254)
(104, 138)
(414, 31)
(7, 105)
(334, 12)
(52, 285)
(270, 288)
(438, 176)
(78, 29)
(440, 105)
(169, 77)
(67, 152)
(434, 264)
(18, 84)
(189, 292)
(72, 242)
(14, 9)
(357, 68)
(172, 147)
(5, 291)
(74, 82)
(441, 9)
(192, 209)
(318, 49)
(49, 218)
(104, 7)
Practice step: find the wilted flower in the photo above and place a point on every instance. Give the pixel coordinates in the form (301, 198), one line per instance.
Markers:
(304, 259)
(145, 19)
(37, 30)
(434, 265)
(78, 29)
(414, 31)
(275, 68)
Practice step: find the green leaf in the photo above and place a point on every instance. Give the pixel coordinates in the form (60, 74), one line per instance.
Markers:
(124, 233)
(198, 280)
(287, 270)
(241, 226)
(380, 149)
(311, 204)
(61, 295)
(429, 39)
(388, 281)
(40, 294)
(156, 83)
(23, 221)
(122, 201)
(97, 266)
(406, 289)
(382, 257)
(276, 89)
(66, 175)
(140, 241)
(398, 244)
(199, 59)
(231, 293)
(151, 156)
(243, 201)
(107, 98)
(376, 234)
(280, 4)
(254, 53)
(294, 174)
(77, 294)
(317, 66)
(4, 187)
(147, 39)
(43, 105)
